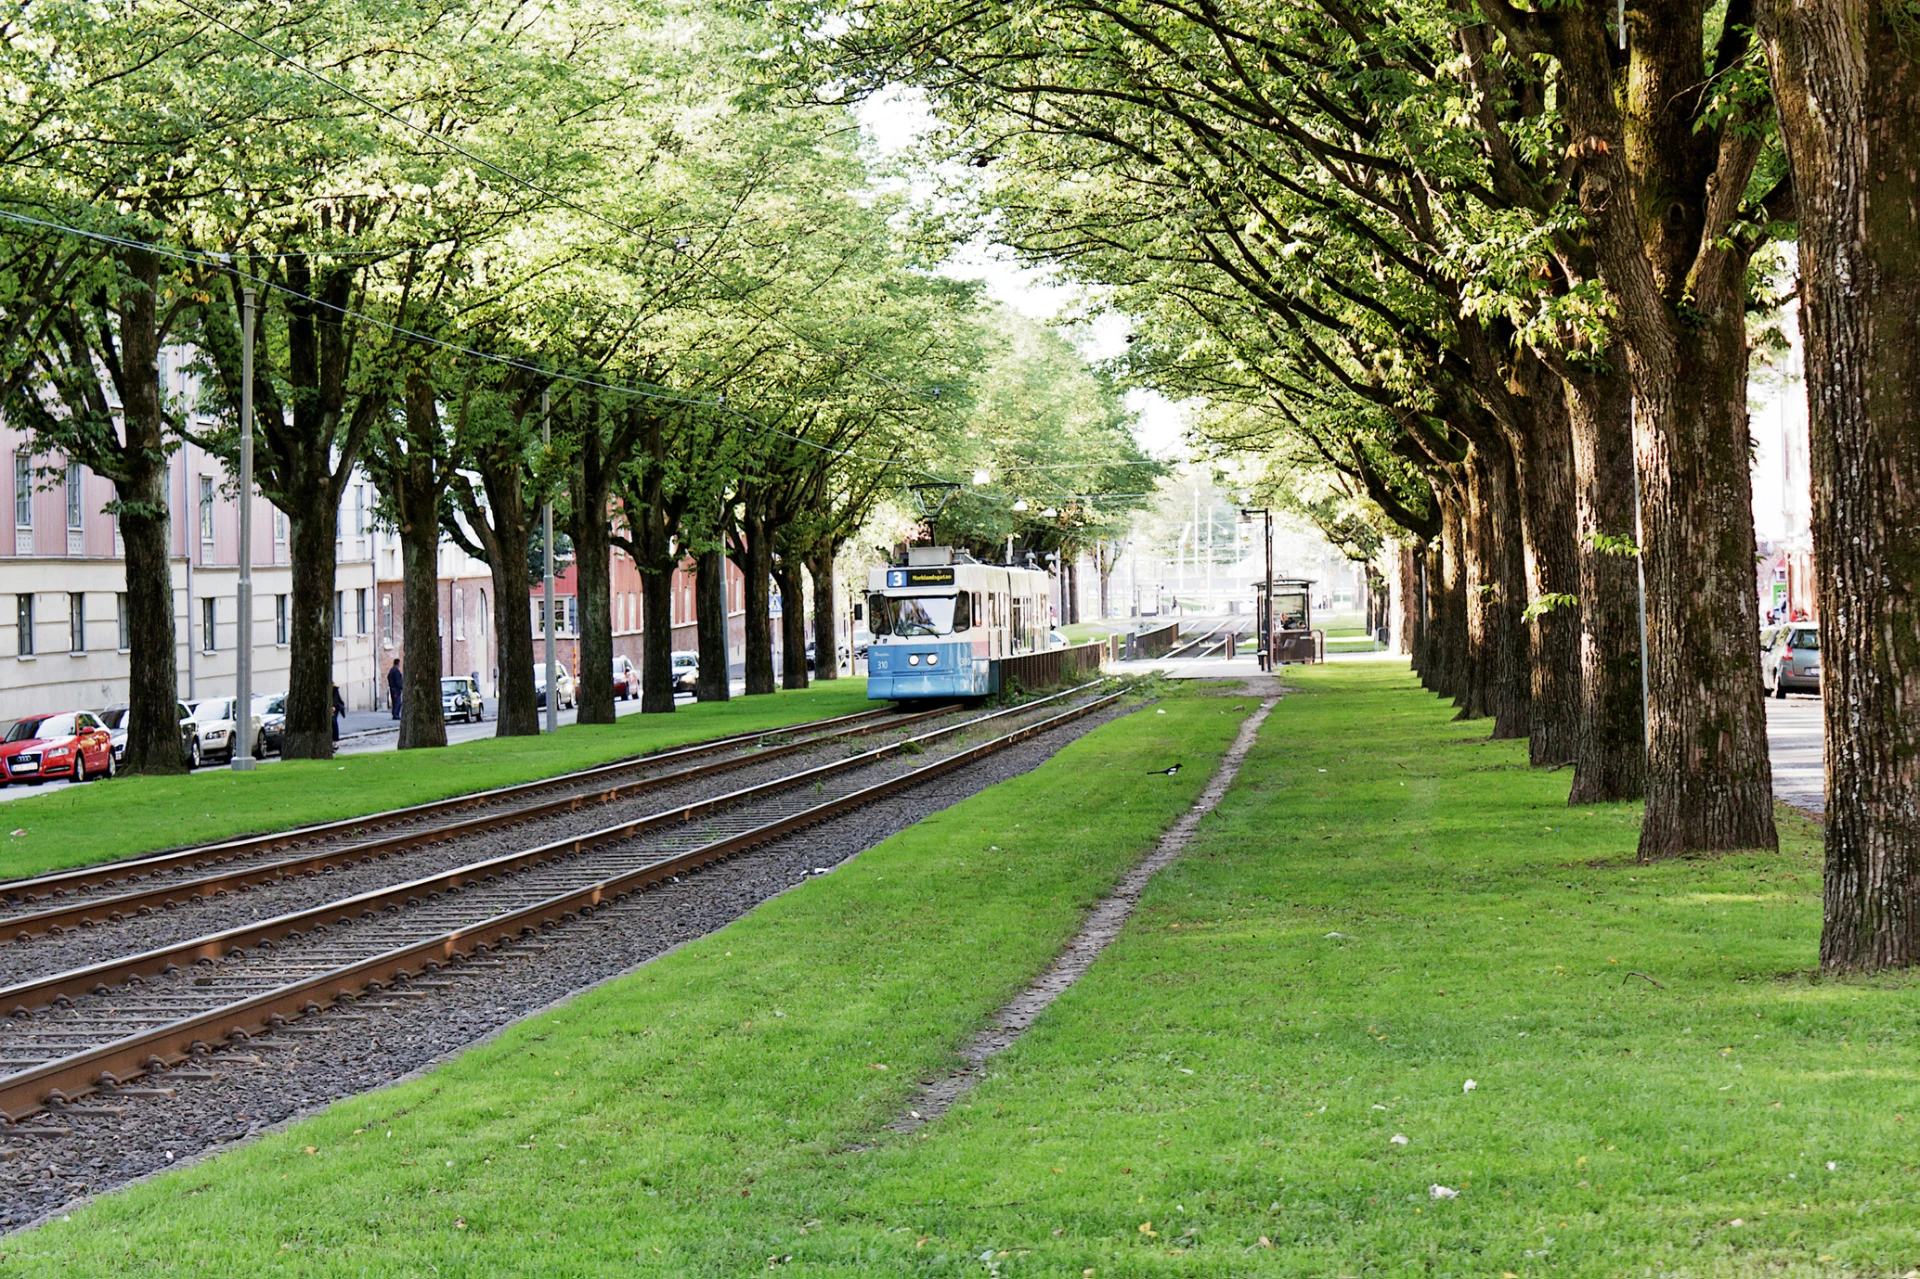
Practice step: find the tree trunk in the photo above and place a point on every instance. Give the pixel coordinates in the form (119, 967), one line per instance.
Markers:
(1454, 657)
(1504, 570)
(656, 642)
(422, 722)
(415, 477)
(1709, 776)
(153, 679)
(309, 725)
(757, 556)
(153, 732)
(519, 713)
(1611, 764)
(593, 584)
(1849, 97)
(505, 527)
(1659, 169)
(826, 621)
(1551, 557)
(793, 623)
(710, 616)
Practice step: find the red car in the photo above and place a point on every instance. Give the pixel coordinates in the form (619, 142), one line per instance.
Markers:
(74, 744)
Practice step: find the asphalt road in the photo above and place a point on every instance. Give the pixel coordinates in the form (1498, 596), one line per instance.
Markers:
(1794, 738)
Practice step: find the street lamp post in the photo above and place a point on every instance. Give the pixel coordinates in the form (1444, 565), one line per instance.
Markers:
(243, 589)
(546, 539)
(1263, 608)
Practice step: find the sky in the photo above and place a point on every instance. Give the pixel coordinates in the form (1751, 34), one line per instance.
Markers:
(894, 122)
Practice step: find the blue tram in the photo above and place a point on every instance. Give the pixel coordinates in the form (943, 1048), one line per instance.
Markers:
(941, 619)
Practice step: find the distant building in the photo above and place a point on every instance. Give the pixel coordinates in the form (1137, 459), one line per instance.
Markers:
(63, 627)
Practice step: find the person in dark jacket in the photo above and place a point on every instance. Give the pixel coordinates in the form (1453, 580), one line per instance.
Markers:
(339, 709)
(395, 682)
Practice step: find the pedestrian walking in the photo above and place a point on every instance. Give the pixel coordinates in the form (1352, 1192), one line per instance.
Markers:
(395, 682)
(339, 709)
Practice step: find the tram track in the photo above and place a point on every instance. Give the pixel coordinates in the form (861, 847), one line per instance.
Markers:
(181, 875)
(105, 1024)
(1199, 646)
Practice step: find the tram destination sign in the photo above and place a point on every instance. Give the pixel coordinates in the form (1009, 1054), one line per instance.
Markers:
(899, 577)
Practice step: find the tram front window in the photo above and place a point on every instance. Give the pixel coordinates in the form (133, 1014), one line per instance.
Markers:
(911, 615)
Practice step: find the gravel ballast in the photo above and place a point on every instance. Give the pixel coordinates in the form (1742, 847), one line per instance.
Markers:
(53, 1159)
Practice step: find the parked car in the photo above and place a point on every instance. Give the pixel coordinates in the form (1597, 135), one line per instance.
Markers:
(811, 657)
(460, 699)
(271, 713)
(114, 718)
(1056, 640)
(562, 683)
(71, 744)
(626, 678)
(862, 640)
(216, 732)
(686, 670)
(1790, 659)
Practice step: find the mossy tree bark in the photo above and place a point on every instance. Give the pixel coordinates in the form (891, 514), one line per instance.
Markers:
(1848, 87)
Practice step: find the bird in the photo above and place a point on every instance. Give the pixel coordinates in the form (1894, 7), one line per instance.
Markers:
(1164, 772)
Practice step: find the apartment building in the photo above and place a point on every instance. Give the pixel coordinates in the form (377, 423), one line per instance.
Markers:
(624, 602)
(63, 630)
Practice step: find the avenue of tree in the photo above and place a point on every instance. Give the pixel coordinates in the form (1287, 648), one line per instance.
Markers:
(501, 255)
(1500, 266)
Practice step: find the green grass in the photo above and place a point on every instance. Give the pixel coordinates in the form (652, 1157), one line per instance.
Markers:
(1385, 906)
(694, 1117)
(77, 825)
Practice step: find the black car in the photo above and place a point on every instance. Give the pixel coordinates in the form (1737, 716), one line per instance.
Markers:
(460, 700)
(273, 721)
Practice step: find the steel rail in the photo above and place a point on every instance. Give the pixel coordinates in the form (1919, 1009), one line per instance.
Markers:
(41, 992)
(113, 1064)
(245, 845)
(166, 896)
(1178, 649)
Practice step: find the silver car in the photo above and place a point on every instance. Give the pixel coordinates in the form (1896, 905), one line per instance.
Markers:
(1790, 659)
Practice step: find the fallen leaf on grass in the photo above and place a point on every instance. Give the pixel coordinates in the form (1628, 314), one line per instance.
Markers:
(1398, 1139)
(1439, 1191)
(459, 1223)
(1469, 1086)
(1265, 1242)
(1146, 1228)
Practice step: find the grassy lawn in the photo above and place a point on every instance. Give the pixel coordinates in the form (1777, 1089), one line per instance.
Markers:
(1384, 908)
(693, 1118)
(77, 825)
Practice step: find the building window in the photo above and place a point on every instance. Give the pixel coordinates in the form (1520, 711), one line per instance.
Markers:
(279, 527)
(76, 497)
(386, 619)
(23, 644)
(359, 510)
(208, 617)
(206, 508)
(459, 613)
(573, 615)
(339, 614)
(76, 622)
(280, 620)
(126, 623)
(22, 491)
(360, 610)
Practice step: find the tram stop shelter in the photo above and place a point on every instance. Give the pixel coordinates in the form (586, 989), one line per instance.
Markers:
(1285, 607)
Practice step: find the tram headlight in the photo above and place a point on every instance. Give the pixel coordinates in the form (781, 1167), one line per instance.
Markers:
(913, 659)
(933, 659)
